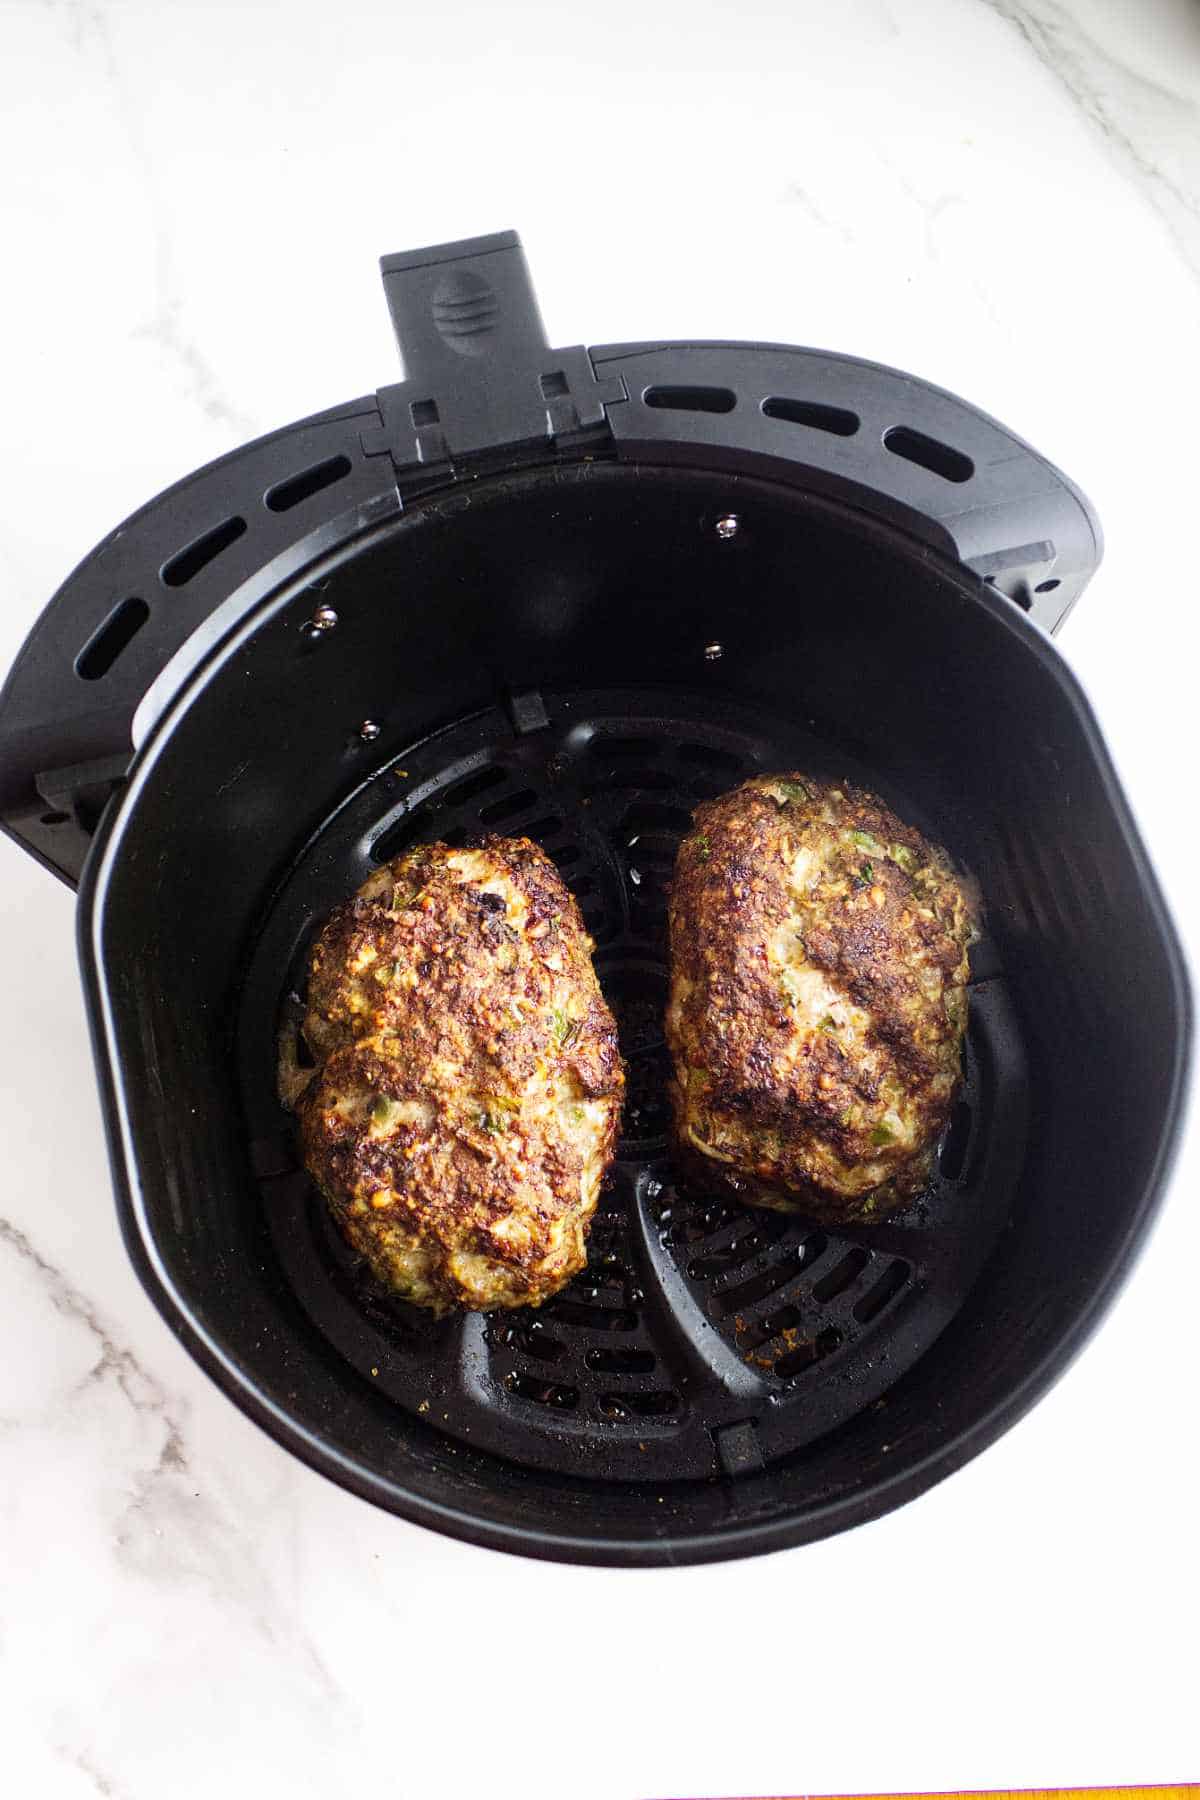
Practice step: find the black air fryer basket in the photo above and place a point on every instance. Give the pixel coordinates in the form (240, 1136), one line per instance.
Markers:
(569, 594)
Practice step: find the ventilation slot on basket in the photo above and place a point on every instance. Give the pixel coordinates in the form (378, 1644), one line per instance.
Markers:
(187, 564)
(110, 639)
(707, 756)
(533, 1341)
(646, 780)
(637, 995)
(542, 828)
(704, 1222)
(393, 840)
(691, 399)
(479, 783)
(759, 1286)
(624, 747)
(286, 494)
(883, 1292)
(460, 832)
(606, 1267)
(652, 816)
(509, 807)
(641, 1406)
(542, 1392)
(718, 1262)
(813, 1350)
(620, 1362)
(834, 419)
(646, 1112)
(771, 1325)
(953, 1155)
(927, 453)
(842, 1276)
(592, 1318)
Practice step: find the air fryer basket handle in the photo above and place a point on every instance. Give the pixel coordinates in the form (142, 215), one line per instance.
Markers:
(467, 303)
(480, 379)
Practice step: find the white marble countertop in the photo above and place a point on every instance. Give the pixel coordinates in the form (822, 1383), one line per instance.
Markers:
(1004, 198)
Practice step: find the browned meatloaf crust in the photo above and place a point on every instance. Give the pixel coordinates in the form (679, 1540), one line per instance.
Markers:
(464, 1107)
(818, 997)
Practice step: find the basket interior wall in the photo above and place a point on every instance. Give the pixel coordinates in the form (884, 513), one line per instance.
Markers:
(603, 579)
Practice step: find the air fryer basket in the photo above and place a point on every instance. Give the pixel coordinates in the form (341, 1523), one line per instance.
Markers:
(569, 594)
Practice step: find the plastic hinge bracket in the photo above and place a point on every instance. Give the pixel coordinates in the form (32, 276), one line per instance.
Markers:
(83, 789)
(479, 374)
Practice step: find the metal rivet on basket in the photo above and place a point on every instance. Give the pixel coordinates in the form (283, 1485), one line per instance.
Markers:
(713, 652)
(368, 731)
(728, 526)
(323, 620)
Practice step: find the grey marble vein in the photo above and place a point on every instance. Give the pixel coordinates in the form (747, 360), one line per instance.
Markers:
(139, 1388)
(1152, 131)
(801, 197)
(168, 1530)
(103, 1784)
(931, 210)
(91, 30)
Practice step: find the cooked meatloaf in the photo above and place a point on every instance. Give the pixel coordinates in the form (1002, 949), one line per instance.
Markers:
(818, 997)
(464, 1106)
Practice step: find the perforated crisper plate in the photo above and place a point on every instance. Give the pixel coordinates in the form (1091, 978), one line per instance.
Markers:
(703, 1337)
